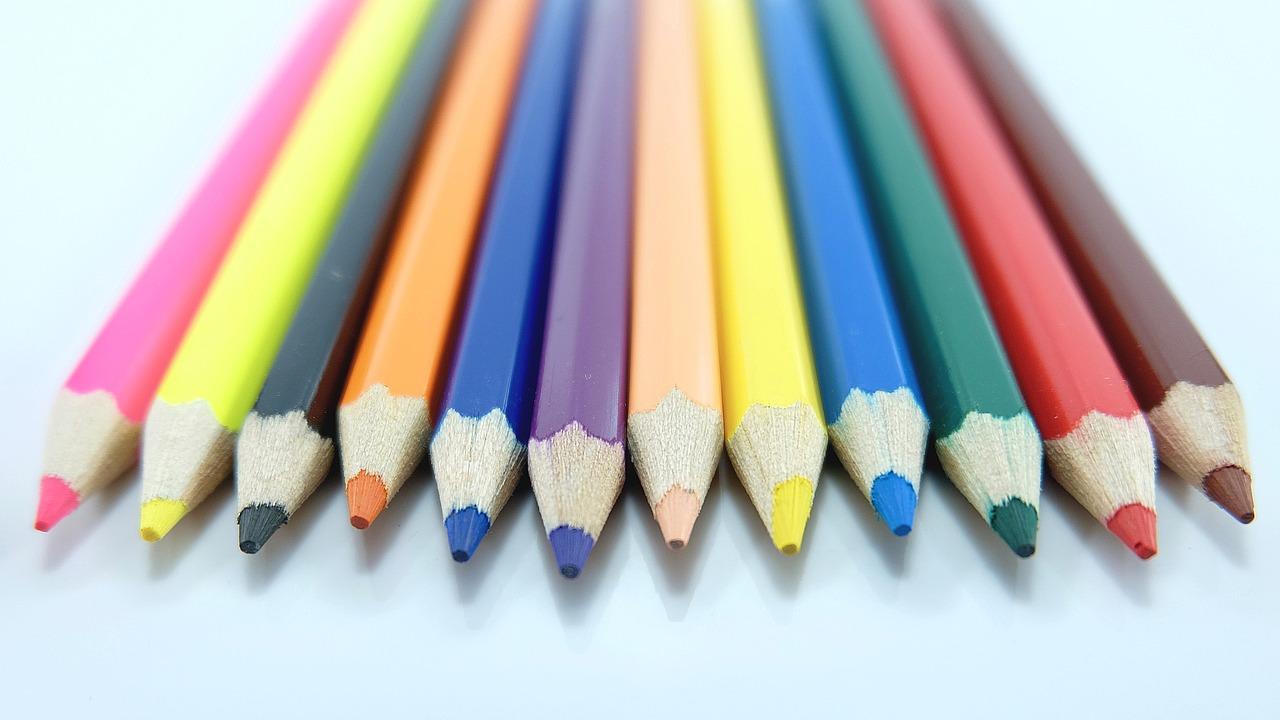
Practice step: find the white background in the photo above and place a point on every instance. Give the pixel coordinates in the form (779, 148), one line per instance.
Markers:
(111, 110)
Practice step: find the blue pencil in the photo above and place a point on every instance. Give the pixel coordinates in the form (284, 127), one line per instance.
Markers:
(869, 391)
(478, 449)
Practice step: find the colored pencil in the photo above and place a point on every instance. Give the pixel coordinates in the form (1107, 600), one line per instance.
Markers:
(385, 417)
(478, 451)
(873, 411)
(773, 426)
(674, 425)
(984, 435)
(576, 445)
(286, 445)
(1193, 408)
(227, 352)
(1096, 440)
(96, 420)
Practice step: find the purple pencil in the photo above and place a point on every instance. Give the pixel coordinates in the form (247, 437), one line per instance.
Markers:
(579, 417)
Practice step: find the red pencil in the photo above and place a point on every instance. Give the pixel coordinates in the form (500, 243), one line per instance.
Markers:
(1096, 440)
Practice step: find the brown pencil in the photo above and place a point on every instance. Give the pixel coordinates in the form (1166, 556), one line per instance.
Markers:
(1191, 404)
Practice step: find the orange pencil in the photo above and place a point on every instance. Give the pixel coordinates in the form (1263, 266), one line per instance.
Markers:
(385, 416)
(675, 427)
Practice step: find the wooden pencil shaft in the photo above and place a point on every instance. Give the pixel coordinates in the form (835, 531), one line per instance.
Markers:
(764, 342)
(404, 344)
(228, 351)
(314, 356)
(129, 356)
(500, 336)
(961, 364)
(1149, 331)
(858, 344)
(673, 325)
(583, 372)
(1060, 357)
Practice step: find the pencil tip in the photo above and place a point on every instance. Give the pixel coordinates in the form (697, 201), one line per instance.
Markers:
(676, 513)
(366, 499)
(159, 516)
(1016, 522)
(57, 500)
(571, 546)
(465, 528)
(894, 500)
(257, 524)
(1232, 488)
(1135, 525)
(792, 501)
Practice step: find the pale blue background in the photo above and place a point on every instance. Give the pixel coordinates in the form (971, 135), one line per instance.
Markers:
(111, 110)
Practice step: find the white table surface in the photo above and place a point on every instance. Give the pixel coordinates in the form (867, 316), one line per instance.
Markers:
(112, 110)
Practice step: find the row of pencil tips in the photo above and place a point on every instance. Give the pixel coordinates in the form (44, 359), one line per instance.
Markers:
(509, 233)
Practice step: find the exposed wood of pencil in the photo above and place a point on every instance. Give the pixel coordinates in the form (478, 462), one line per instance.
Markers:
(385, 416)
(773, 415)
(1096, 440)
(1194, 409)
(286, 445)
(578, 479)
(676, 447)
(280, 461)
(985, 437)
(675, 427)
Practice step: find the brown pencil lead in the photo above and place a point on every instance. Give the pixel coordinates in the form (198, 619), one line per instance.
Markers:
(1232, 488)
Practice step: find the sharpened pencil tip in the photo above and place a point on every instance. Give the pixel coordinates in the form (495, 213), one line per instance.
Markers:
(1135, 525)
(257, 524)
(57, 500)
(571, 546)
(1232, 489)
(792, 501)
(895, 502)
(676, 513)
(159, 516)
(366, 499)
(465, 529)
(1016, 522)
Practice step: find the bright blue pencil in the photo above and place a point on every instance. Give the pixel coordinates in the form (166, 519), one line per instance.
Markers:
(478, 449)
(869, 392)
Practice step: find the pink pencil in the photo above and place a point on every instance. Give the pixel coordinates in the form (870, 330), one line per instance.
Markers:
(97, 417)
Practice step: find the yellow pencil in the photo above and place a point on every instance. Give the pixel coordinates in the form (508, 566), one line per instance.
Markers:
(772, 413)
(189, 435)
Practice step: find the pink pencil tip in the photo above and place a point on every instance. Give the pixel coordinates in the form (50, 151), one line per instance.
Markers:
(57, 500)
